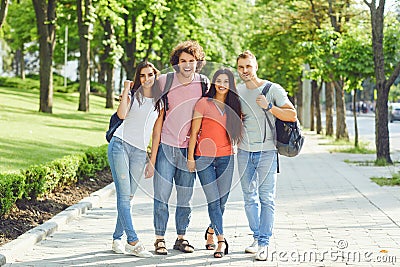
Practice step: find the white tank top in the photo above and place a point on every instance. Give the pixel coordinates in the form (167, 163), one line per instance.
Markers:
(137, 127)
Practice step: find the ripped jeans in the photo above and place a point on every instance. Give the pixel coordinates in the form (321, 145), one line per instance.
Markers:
(127, 164)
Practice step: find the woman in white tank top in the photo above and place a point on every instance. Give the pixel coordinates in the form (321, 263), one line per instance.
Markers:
(127, 150)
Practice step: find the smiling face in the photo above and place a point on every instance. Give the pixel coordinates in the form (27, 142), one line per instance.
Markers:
(222, 84)
(187, 64)
(247, 68)
(147, 77)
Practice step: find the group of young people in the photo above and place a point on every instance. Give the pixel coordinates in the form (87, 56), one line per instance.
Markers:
(194, 131)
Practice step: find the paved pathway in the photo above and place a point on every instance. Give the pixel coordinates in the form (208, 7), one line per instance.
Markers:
(328, 213)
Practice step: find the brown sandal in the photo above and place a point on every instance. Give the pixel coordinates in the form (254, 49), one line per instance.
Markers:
(158, 247)
(183, 245)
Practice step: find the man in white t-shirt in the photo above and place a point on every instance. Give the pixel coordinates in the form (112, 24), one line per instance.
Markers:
(257, 155)
(170, 142)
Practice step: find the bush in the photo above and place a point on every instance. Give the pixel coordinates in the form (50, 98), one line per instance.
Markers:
(97, 87)
(68, 169)
(39, 180)
(95, 159)
(19, 83)
(11, 189)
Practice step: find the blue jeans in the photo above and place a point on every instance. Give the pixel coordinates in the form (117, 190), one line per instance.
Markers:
(171, 166)
(258, 173)
(127, 163)
(215, 175)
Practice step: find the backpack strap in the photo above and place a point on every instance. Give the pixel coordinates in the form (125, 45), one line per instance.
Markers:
(168, 84)
(204, 84)
(265, 90)
(132, 98)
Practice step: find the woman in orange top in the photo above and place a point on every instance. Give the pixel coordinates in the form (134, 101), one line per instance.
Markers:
(216, 126)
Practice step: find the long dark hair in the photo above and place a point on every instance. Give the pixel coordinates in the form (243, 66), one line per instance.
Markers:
(234, 123)
(137, 89)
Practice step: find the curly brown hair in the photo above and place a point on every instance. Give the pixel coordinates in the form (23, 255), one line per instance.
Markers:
(191, 47)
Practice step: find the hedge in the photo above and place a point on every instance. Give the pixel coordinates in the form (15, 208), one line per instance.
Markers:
(39, 180)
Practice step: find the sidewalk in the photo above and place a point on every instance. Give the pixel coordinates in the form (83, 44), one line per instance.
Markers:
(328, 213)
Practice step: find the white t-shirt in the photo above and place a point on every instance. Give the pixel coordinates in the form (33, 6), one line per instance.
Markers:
(255, 122)
(137, 127)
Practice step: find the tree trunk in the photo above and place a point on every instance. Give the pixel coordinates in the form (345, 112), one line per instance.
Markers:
(22, 63)
(45, 19)
(381, 115)
(312, 110)
(341, 126)
(121, 77)
(151, 37)
(3, 11)
(17, 60)
(299, 98)
(102, 69)
(130, 47)
(329, 108)
(109, 30)
(84, 47)
(355, 119)
(318, 108)
(110, 86)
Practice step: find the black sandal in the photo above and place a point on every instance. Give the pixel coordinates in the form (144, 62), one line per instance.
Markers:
(157, 248)
(183, 245)
(220, 254)
(209, 246)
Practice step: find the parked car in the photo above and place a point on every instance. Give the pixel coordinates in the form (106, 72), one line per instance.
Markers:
(394, 112)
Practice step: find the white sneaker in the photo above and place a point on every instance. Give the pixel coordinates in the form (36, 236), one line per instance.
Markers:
(118, 246)
(253, 247)
(138, 250)
(262, 253)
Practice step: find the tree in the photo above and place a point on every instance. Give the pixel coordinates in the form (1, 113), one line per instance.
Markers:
(3, 11)
(109, 18)
(86, 16)
(383, 83)
(276, 42)
(329, 108)
(339, 14)
(45, 20)
(21, 38)
(355, 65)
(140, 32)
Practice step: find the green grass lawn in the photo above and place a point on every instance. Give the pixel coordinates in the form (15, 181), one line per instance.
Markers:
(28, 137)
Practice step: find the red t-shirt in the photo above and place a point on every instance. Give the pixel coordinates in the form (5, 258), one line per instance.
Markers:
(213, 140)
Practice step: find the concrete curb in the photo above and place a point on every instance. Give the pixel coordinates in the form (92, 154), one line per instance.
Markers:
(25, 241)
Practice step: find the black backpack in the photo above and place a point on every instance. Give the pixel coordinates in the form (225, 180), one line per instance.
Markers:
(170, 77)
(287, 135)
(115, 122)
